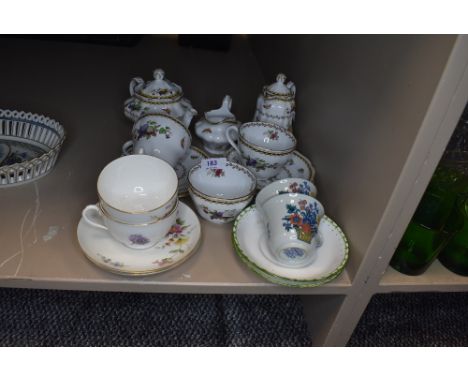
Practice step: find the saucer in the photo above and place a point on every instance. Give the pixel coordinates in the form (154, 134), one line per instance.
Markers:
(331, 256)
(194, 157)
(107, 253)
(297, 167)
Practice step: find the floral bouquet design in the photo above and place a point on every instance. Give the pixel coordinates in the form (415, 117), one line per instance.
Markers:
(298, 188)
(303, 218)
(152, 129)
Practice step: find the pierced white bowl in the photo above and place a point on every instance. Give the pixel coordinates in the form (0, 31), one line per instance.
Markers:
(29, 146)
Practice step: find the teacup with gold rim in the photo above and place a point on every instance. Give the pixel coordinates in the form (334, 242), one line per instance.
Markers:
(265, 148)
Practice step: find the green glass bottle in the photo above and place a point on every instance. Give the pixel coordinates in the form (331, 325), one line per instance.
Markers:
(437, 218)
(426, 235)
(455, 254)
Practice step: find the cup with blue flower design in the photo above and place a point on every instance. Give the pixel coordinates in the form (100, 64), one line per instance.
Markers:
(292, 222)
(136, 236)
(265, 148)
(285, 186)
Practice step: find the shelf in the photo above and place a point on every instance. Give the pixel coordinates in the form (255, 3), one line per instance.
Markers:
(436, 278)
(84, 89)
(38, 235)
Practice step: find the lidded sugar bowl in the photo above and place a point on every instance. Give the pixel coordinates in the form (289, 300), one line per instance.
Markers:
(212, 128)
(277, 103)
(158, 96)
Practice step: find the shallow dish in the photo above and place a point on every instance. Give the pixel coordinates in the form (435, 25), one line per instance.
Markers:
(107, 253)
(29, 146)
(331, 259)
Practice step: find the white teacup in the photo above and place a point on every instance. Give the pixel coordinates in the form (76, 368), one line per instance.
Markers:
(264, 147)
(292, 224)
(285, 186)
(136, 236)
(137, 189)
(161, 136)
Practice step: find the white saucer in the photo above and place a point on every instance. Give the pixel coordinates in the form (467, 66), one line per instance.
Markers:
(331, 256)
(193, 157)
(107, 253)
(297, 167)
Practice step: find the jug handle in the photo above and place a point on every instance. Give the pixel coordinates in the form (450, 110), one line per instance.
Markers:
(229, 138)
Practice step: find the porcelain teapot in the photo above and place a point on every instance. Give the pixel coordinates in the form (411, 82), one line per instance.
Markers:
(212, 128)
(158, 96)
(276, 104)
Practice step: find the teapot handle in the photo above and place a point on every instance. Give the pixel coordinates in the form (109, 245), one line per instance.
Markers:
(134, 83)
(290, 85)
(230, 140)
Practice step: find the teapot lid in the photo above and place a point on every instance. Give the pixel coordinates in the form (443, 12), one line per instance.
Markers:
(223, 114)
(280, 88)
(160, 88)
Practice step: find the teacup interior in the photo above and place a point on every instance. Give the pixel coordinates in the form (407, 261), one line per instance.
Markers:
(231, 182)
(137, 183)
(268, 136)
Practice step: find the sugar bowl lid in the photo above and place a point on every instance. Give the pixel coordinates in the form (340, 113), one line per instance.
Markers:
(280, 88)
(160, 88)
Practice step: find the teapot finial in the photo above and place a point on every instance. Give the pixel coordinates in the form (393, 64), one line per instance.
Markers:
(158, 74)
(280, 78)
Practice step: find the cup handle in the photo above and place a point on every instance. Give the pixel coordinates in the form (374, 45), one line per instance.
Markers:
(229, 138)
(126, 148)
(91, 219)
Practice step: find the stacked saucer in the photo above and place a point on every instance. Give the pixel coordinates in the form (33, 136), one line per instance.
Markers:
(138, 226)
(296, 243)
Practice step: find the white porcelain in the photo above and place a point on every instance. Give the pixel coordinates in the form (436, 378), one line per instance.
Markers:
(177, 246)
(330, 258)
(220, 194)
(264, 147)
(29, 146)
(212, 128)
(161, 136)
(298, 166)
(292, 222)
(285, 186)
(276, 104)
(192, 158)
(136, 236)
(158, 96)
(137, 189)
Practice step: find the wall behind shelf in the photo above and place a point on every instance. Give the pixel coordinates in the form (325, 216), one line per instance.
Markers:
(360, 103)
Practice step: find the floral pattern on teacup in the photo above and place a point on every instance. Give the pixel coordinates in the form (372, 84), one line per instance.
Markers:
(260, 164)
(293, 253)
(298, 188)
(137, 239)
(152, 129)
(302, 218)
(219, 215)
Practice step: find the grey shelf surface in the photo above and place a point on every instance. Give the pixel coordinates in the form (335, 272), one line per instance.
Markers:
(83, 87)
